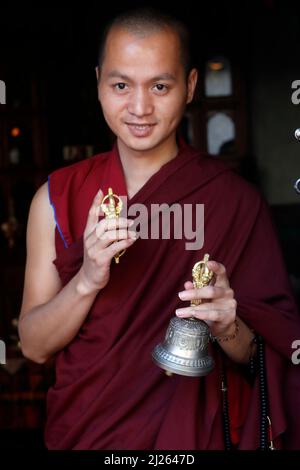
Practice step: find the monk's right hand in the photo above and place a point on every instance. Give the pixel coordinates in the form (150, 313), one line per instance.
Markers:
(102, 241)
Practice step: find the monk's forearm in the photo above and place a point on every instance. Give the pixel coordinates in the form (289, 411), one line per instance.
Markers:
(49, 327)
(239, 343)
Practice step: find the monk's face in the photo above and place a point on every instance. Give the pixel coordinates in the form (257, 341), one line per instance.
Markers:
(143, 88)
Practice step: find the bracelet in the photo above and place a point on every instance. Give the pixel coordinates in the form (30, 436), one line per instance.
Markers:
(233, 335)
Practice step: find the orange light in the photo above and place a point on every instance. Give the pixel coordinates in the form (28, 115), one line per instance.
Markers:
(15, 132)
(216, 66)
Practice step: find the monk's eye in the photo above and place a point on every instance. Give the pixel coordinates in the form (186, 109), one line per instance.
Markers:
(121, 86)
(161, 88)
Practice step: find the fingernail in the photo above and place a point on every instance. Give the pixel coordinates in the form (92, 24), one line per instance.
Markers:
(182, 295)
(179, 313)
(131, 222)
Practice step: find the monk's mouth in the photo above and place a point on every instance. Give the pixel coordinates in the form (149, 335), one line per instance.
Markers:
(140, 130)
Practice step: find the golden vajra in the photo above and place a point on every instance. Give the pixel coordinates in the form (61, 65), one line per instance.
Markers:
(201, 276)
(112, 211)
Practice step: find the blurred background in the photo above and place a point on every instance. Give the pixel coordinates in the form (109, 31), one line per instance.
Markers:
(247, 54)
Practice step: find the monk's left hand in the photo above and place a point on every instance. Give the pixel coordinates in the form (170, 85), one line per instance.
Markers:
(218, 305)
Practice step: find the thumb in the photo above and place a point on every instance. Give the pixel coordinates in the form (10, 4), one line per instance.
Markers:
(219, 271)
(188, 285)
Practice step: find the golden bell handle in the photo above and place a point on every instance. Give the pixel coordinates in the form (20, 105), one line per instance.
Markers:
(201, 276)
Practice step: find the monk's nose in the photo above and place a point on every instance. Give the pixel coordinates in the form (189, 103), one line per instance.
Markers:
(140, 104)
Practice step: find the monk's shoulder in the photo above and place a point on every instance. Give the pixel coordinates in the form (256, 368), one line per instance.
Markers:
(77, 172)
(232, 181)
(228, 184)
(82, 167)
(244, 197)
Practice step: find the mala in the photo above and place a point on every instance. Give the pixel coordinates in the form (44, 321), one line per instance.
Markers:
(256, 366)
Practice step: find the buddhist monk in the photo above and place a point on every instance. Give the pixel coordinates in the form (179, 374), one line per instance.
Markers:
(101, 319)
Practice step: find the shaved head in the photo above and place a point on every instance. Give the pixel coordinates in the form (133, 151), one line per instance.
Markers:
(143, 22)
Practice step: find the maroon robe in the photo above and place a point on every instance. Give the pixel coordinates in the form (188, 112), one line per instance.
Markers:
(108, 392)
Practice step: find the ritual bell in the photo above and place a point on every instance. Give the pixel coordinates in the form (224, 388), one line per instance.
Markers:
(185, 348)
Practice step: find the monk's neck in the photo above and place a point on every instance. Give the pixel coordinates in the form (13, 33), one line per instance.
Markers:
(139, 166)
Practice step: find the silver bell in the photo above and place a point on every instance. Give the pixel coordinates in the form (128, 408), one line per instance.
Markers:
(184, 350)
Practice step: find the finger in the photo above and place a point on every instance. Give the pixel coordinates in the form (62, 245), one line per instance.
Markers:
(204, 306)
(207, 292)
(93, 214)
(119, 234)
(103, 226)
(226, 304)
(206, 315)
(106, 225)
(113, 249)
(221, 279)
(107, 240)
(209, 315)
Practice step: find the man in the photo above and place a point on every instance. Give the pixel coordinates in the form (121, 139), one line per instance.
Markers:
(102, 319)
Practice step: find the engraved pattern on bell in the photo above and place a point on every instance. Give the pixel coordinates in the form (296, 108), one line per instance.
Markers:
(191, 367)
(187, 334)
(199, 362)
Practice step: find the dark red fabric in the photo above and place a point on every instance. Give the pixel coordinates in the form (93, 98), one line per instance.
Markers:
(108, 393)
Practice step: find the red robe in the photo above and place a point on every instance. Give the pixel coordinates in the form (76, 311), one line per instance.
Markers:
(108, 393)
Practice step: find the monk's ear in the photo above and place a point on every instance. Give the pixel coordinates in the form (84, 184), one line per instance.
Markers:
(98, 72)
(191, 84)
(97, 69)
